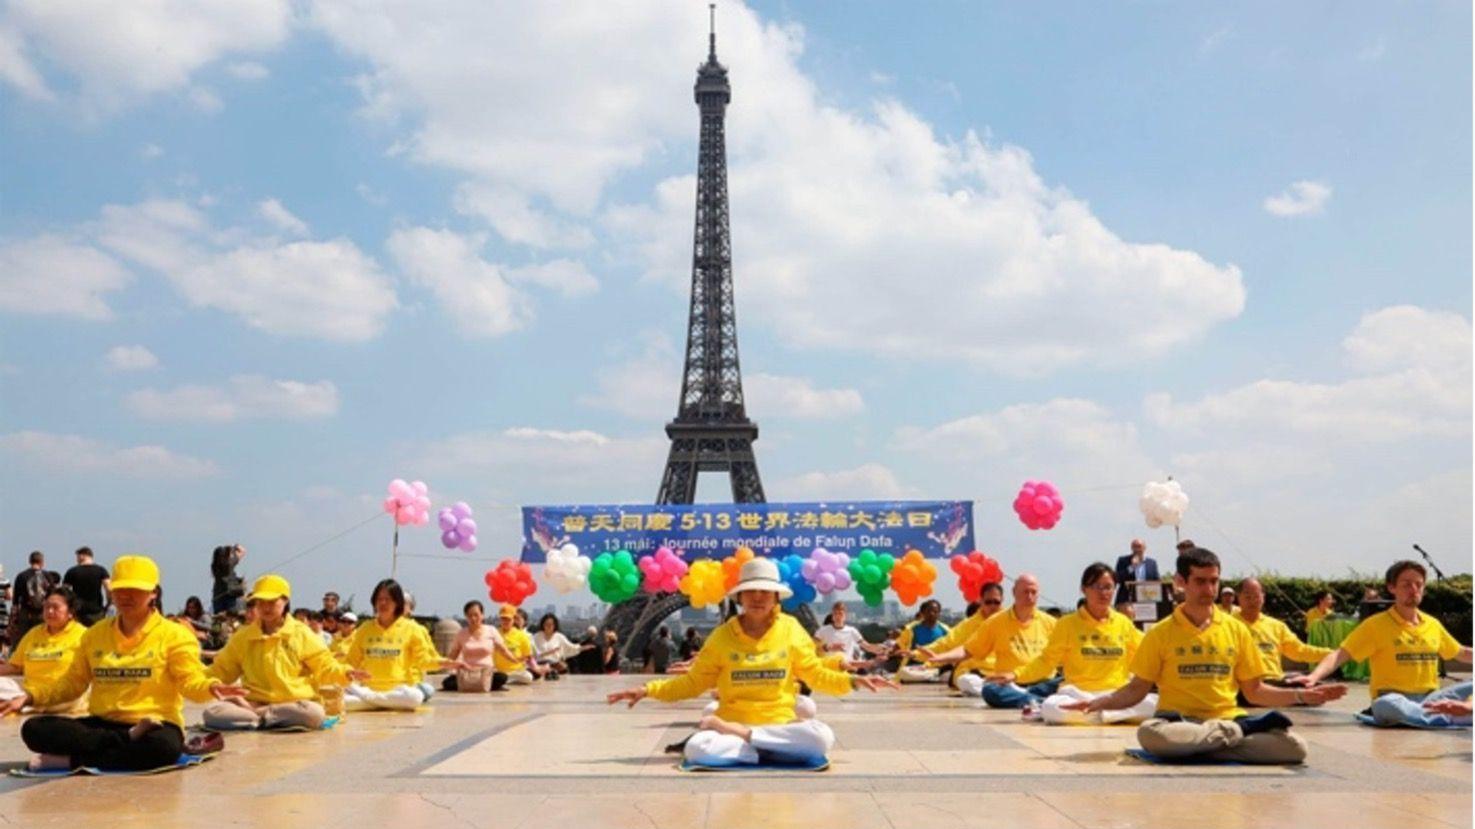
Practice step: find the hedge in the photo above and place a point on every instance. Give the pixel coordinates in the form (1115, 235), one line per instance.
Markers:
(1287, 598)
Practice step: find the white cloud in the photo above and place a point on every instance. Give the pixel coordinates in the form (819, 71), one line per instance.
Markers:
(130, 358)
(516, 220)
(117, 53)
(322, 289)
(205, 100)
(867, 481)
(248, 70)
(473, 292)
(1406, 336)
(244, 397)
(566, 276)
(282, 218)
(149, 152)
(646, 386)
(371, 195)
(1302, 198)
(1212, 41)
(51, 274)
(532, 464)
(77, 455)
(776, 395)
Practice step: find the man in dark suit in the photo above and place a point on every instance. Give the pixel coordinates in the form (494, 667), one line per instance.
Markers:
(1134, 567)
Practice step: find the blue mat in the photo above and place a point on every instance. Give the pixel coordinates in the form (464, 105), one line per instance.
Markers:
(291, 729)
(1367, 719)
(1200, 760)
(819, 764)
(185, 761)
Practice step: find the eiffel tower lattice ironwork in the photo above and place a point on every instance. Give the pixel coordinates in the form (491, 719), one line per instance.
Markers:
(711, 432)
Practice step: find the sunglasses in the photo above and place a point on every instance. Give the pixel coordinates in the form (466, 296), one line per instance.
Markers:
(993, 602)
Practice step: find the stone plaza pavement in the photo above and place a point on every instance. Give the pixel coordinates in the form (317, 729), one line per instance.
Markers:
(554, 755)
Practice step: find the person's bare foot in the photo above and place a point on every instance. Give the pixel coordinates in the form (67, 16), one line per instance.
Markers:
(143, 727)
(49, 762)
(712, 722)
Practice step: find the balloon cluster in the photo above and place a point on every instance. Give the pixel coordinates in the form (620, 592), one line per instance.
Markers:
(791, 572)
(1038, 505)
(511, 582)
(408, 503)
(566, 570)
(457, 529)
(974, 571)
(613, 577)
(1163, 502)
(662, 572)
(872, 575)
(827, 571)
(732, 566)
(704, 583)
(912, 577)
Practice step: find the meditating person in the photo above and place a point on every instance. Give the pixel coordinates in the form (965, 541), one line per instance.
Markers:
(920, 633)
(551, 649)
(990, 600)
(348, 624)
(473, 651)
(139, 667)
(43, 656)
(1095, 644)
(1012, 638)
(281, 663)
(518, 664)
(754, 660)
(1404, 646)
(1326, 604)
(1200, 658)
(1272, 636)
(202, 624)
(395, 651)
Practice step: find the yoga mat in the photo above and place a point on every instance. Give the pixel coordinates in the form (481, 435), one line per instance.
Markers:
(283, 729)
(185, 761)
(1367, 719)
(1201, 760)
(763, 767)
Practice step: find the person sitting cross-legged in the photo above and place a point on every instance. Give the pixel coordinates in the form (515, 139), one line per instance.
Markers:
(1404, 647)
(753, 660)
(395, 651)
(1095, 644)
(1012, 637)
(1199, 658)
(1272, 636)
(990, 600)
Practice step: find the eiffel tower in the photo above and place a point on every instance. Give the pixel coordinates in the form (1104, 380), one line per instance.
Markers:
(711, 432)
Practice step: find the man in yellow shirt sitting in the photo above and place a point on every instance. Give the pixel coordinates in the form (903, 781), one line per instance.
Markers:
(990, 601)
(1199, 658)
(1405, 647)
(1272, 636)
(1012, 638)
(1325, 603)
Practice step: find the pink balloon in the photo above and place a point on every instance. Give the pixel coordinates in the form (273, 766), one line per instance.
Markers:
(468, 544)
(420, 488)
(1043, 505)
(390, 505)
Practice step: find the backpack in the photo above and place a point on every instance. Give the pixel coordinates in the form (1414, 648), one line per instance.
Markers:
(40, 582)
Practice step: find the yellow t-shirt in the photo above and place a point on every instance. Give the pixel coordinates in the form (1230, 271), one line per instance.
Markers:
(1198, 672)
(393, 656)
(521, 644)
(1274, 638)
(1010, 642)
(146, 676)
(754, 678)
(289, 665)
(44, 658)
(1095, 654)
(1405, 657)
(958, 636)
(1314, 615)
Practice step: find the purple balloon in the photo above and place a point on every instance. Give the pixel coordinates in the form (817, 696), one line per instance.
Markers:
(466, 526)
(461, 509)
(447, 520)
(824, 582)
(468, 544)
(450, 538)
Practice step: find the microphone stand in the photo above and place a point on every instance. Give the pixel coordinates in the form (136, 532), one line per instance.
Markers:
(1438, 574)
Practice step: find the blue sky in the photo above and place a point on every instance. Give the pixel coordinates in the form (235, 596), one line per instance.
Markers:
(258, 259)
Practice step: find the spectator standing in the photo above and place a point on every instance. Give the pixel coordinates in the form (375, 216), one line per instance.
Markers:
(691, 642)
(30, 590)
(229, 588)
(89, 581)
(659, 651)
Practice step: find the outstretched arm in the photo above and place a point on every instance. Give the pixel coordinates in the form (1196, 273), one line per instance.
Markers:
(1124, 697)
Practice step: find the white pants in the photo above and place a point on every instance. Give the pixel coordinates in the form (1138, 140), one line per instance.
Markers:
(11, 687)
(797, 741)
(357, 697)
(970, 684)
(523, 677)
(1052, 713)
(804, 708)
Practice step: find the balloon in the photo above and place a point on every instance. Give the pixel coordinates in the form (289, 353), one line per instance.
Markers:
(1163, 503)
(458, 530)
(1039, 505)
(826, 571)
(872, 575)
(791, 572)
(974, 571)
(704, 583)
(408, 503)
(447, 521)
(450, 539)
(461, 509)
(912, 577)
(614, 577)
(566, 570)
(511, 582)
(468, 544)
(662, 571)
(733, 565)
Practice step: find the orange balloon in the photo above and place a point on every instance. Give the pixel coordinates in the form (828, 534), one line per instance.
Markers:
(733, 565)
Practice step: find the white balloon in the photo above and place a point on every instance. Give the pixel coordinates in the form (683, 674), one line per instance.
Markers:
(1163, 502)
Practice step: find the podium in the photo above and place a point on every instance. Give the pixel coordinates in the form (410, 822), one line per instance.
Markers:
(1152, 601)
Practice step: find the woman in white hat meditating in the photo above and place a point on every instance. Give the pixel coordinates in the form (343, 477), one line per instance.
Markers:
(753, 660)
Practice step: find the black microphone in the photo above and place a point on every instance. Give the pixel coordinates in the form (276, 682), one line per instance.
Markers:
(1438, 574)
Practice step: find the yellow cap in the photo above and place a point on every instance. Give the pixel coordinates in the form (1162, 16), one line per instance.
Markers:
(134, 573)
(268, 587)
(507, 611)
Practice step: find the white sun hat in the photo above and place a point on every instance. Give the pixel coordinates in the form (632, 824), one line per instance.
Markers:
(760, 574)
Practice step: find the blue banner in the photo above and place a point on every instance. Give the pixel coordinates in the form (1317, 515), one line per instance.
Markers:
(936, 528)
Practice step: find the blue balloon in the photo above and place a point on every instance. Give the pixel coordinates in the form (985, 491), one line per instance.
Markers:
(791, 572)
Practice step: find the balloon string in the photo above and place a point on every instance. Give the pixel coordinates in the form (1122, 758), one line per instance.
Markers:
(279, 565)
(449, 557)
